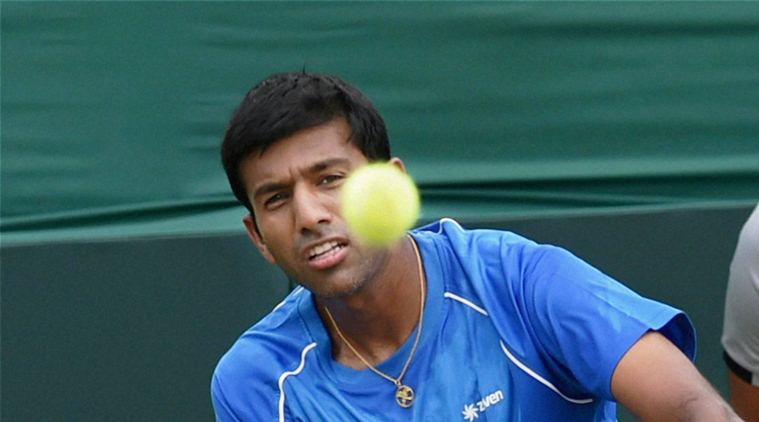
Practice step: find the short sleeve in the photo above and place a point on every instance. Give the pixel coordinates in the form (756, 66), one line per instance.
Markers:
(584, 321)
(238, 393)
(221, 406)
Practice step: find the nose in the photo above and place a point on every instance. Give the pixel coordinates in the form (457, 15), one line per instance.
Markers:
(310, 211)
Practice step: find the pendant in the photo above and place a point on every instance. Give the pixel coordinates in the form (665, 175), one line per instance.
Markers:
(404, 395)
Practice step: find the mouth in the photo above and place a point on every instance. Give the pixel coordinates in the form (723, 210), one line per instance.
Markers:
(327, 254)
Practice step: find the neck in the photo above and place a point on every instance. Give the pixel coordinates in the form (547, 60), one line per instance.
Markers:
(379, 318)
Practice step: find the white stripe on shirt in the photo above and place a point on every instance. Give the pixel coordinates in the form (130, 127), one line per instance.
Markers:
(287, 374)
(466, 302)
(513, 358)
(540, 379)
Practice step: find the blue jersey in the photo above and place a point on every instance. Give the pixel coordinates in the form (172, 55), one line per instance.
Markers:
(513, 331)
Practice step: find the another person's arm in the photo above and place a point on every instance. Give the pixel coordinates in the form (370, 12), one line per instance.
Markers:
(740, 334)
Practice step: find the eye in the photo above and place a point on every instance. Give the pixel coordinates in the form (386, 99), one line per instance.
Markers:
(330, 179)
(274, 200)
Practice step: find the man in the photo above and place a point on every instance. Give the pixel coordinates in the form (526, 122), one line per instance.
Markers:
(740, 334)
(448, 324)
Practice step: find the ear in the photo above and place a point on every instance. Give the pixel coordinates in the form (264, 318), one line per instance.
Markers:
(252, 228)
(398, 163)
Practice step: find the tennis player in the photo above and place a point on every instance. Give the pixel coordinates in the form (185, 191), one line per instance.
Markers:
(449, 324)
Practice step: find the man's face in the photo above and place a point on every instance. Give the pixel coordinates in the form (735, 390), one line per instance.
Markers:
(294, 187)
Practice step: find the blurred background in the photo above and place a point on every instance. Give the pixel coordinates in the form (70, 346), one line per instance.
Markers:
(626, 132)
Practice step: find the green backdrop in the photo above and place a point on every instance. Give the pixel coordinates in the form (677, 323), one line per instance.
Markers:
(112, 112)
(625, 131)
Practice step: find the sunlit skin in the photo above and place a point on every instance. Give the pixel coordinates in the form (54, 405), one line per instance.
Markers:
(294, 187)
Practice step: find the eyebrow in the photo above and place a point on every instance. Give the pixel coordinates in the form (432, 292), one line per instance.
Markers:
(314, 168)
(325, 164)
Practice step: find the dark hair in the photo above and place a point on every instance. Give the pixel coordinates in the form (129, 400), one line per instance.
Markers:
(285, 103)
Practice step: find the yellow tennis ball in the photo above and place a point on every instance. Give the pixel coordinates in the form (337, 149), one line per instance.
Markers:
(380, 203)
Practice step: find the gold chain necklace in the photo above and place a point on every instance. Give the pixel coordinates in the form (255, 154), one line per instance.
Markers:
(404, 395)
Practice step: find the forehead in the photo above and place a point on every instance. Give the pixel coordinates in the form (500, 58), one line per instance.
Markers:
(299, 152)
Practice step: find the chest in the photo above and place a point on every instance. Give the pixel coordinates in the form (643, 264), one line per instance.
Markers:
(462, 373)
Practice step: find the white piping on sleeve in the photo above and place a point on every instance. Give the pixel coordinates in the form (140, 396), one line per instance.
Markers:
(540, 379)
(443, 220)
(516, 361)
(278, 306)
(287, 374)
(295, 291)
(466, 302)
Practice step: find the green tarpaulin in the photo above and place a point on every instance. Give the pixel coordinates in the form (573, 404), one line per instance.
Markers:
(112, 112)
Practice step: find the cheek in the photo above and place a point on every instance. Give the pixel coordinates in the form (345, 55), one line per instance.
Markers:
(274, 238)
(332, 202)
(274, 234)
(277, 253)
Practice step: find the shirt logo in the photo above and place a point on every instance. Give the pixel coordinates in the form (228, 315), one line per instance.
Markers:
(472, 410)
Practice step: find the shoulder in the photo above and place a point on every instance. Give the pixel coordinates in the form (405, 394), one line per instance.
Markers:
(450, 239)
(751, 227)
(748, 242)
(451, 231)
(247, 377)
(495, 258)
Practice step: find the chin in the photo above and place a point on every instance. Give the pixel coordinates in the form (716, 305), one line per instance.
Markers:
(345, 281)
(335, 289)
(336, 292)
